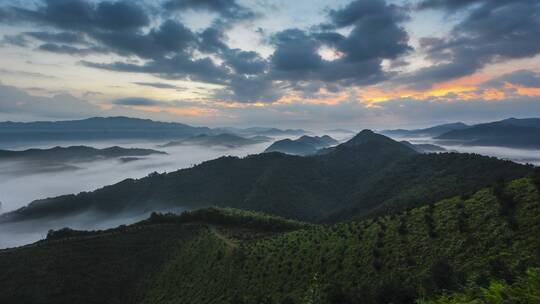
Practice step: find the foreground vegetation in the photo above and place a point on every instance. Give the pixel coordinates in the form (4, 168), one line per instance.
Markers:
(475, 248)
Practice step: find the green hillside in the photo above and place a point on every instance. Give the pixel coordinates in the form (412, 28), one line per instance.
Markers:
(435, 252)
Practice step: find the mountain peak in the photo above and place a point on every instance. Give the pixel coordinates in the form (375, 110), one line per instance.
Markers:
(366, 136)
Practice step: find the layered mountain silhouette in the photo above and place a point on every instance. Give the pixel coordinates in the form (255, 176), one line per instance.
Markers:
(305, 145)
(368, 174)
(512, 132)
(427, 132)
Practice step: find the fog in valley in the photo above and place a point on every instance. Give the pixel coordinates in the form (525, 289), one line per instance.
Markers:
(523, 156)
(23, 182)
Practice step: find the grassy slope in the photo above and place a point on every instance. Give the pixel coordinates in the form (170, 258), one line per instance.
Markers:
(373, 260)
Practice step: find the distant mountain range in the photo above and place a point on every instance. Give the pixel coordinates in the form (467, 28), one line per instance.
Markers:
(511, 133)
(362, 176)
(305, 145)
(262, 131)
(220, 140)
(109, 128)
(427, 132)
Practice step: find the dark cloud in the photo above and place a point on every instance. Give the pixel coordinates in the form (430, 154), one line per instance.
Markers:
(446, 4)
(376, 31)
(70, 50)
(245, 62)
(136, 101)
(159, 85)
(296, 51)
(226, 8)
(523, 78)
(16, 40)
(83, 15)
(61, 37)
(493, 31)
(177, 67)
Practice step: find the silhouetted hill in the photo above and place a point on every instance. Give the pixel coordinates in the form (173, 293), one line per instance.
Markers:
(292, 147)
(367, 174)
(427, 132)
(305, 145)
(318, 141)
(220, 140)
(74, 154)
(230, 256)
(514, 133)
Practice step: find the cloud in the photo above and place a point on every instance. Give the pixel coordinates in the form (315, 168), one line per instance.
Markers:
(16, 40)
(58, 37)
(523, 78)
(177, 67)
(86, 16)
(159, 85)
(25, 74)
(493, 31)
(136, 101)
(70, 50)
(226, 8)
(17, 103)
(446, 4)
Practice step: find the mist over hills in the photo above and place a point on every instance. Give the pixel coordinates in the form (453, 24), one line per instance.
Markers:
(74, 154)
(511, 133)
(427, 132)
(220, 140)
(366, 174)
(516, 133)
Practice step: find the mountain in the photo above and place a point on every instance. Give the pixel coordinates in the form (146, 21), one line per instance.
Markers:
(424, 148)
(97, 128)
(318, 142)
(512, 133)
(227, 256)
(220, 140)
(305, 145)
(261, 131)
(428, 132)
(73, 154)
(369, 174)
(292, 147)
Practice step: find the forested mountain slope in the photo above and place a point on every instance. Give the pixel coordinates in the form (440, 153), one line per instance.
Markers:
(229, 256)
(365, 174)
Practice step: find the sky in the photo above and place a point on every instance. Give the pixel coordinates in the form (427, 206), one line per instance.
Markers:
(303, 63)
